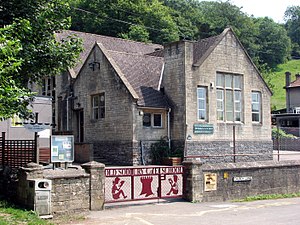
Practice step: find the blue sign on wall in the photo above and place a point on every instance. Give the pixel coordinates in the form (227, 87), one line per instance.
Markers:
(62, 148)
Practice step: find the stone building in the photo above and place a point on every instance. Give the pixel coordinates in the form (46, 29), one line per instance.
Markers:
(221, 104)
(124, 95)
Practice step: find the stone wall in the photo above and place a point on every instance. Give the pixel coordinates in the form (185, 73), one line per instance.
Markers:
(70, 190)
(220, 151)
(75, 189)
(83, 152)
(174, 86)
(114, 152)
(239, 180)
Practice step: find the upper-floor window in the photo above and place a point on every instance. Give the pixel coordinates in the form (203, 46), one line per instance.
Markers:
(152, 120)
(201, 103)
(48, 86)
(229, 97)
(98, 106)
(256, 106)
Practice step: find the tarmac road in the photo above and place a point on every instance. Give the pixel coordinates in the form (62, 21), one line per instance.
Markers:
(265, 212)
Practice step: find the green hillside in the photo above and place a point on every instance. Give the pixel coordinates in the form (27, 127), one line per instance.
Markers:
(278, 82)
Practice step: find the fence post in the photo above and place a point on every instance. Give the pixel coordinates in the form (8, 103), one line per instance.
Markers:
(233, 137)
(3, 149)
(36, 147)
(277, 141)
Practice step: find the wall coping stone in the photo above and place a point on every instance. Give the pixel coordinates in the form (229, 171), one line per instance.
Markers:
(65, 173)
(251, 165)
(192, 162)
(32, 167)
(93, 164)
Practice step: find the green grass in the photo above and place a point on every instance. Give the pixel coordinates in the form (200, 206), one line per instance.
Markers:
(278, 82)
(12, 215)
(268, 197)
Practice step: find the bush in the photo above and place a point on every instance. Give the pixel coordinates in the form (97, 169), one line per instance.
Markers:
(278, 133)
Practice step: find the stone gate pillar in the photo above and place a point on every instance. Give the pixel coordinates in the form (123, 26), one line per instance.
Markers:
(97, 184)
(193, 181)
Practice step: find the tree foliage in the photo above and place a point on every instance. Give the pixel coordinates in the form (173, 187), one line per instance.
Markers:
(219, 15)
(161, 21)
(13, 98)
(274, 43)
(29, 27)
(123, 18)
(292, 17)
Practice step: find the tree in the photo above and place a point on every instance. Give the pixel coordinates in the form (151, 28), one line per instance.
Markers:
(292, 25)
(274, 44)
(29, 28)
(123, 18)
(137, 33)
(188, 17)
(219, 15)
(13, 99)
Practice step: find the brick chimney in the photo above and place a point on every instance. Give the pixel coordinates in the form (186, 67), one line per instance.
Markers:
(287, 79)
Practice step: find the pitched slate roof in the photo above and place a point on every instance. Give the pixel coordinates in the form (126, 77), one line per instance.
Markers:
(110, 43)
(202, 46)
(143, 73)
(139, 65)
(295, 83)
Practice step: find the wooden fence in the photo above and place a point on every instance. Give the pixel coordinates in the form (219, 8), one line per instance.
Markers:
(17, 153)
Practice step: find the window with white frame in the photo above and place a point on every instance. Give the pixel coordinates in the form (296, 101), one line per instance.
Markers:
(256, 106)
(229, 97)
(201, 103)
(152, 120)
(98, 106)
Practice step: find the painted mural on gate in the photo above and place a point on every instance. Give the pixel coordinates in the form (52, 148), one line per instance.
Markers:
(124, 184)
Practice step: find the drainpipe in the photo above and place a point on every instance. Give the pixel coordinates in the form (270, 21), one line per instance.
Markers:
(169, 133)
(142, 152)
(68, 99)
(287, 84)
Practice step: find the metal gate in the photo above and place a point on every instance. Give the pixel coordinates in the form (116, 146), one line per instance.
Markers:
(143, 183)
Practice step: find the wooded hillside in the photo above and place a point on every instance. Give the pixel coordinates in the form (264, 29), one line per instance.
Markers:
(161, 21)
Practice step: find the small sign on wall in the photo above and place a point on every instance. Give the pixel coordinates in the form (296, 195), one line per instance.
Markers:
(210, 181)
(200, 128)
(241, 179)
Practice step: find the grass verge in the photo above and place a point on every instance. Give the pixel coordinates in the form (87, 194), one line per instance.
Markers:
(13, 215)
(268, 197)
